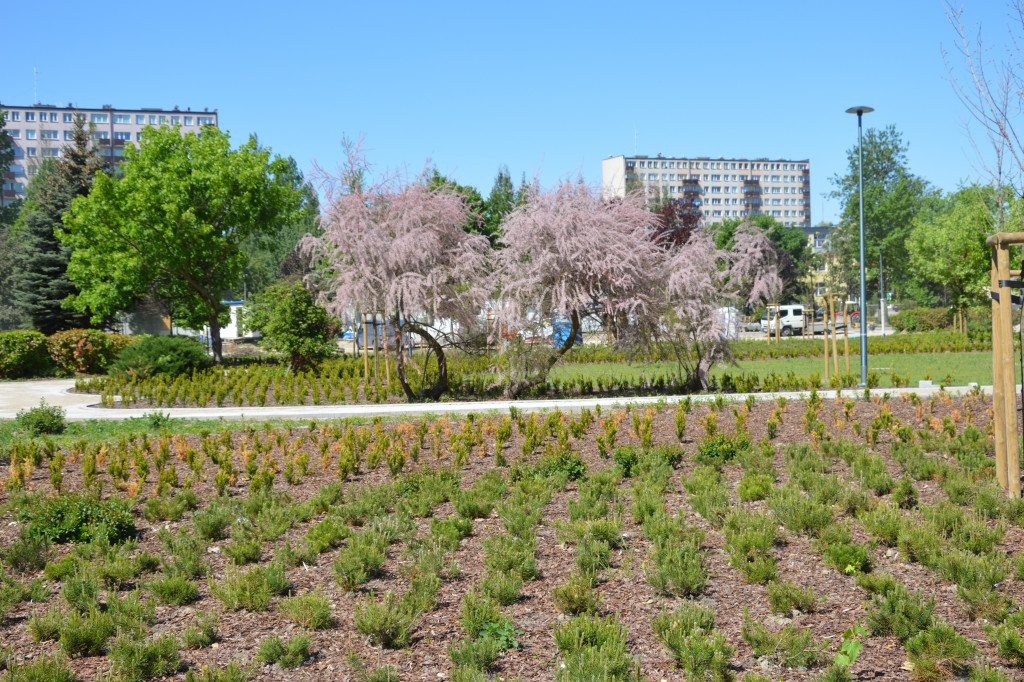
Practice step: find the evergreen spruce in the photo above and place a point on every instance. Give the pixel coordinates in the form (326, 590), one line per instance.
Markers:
(40, 261)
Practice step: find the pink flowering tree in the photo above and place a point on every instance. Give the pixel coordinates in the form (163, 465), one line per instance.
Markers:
(398, 246)
(568, 254)
(700, 279)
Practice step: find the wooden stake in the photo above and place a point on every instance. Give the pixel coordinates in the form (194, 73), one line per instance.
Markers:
(832, 322)
(1009, 377)
(846, 334)
(366, 356)
(824, 336)
(998, 404)
(387, 353)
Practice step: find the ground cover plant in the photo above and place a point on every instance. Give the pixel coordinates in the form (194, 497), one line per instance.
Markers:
(837, 539)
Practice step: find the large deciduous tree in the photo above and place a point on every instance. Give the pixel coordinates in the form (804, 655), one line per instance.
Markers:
(399, 247)
(893, 197)
(792, 251)
(568, 254)
(175, 220)
(41, 282)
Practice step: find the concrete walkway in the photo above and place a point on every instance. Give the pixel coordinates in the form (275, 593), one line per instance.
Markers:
(20, 395)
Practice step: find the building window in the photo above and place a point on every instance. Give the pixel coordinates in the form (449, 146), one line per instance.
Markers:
(101, 135)
(99, 118)
(152, 120)
(16, 134)
(67, 135)
(122, 118)
(122, 136)
(641, 164)
(15, 115)
(19, 152)
(30, 134)
(188, 120)
(163, 119)
(48, 135)
(175, 120)
(51, 153)
(30, 151)
(138, 137)
(30, 116)
(140, 120)
(17, 169)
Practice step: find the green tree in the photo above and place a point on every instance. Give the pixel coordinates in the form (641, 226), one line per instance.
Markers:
(274, 256)
(41, 283)
(790, 244)
(475, 222)
(893, 197)
(500, 203)
(177, 216)
(292, 323)
(947, 247)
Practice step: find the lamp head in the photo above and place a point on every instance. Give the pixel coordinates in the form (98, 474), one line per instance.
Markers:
(859, 110)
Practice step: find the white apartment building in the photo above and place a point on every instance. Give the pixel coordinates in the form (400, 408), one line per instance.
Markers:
(39, 132)
(719, 188)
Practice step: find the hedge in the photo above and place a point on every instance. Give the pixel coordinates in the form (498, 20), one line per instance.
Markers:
(22, 354)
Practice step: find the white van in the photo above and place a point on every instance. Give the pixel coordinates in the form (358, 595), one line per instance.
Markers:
(791, 320)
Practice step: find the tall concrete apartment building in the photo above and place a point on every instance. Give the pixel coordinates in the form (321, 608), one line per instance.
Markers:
(41, 130)
(719, 188)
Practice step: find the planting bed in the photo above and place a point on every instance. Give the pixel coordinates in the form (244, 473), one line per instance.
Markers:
(729, 540)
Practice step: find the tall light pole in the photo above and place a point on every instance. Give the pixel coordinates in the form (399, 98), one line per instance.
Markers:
(860, 111)
(881, 292)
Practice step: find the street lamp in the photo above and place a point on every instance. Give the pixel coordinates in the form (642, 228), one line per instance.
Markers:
(860, 111)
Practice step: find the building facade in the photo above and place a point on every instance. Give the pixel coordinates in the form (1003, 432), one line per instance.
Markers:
(40, 131)
(720, 189)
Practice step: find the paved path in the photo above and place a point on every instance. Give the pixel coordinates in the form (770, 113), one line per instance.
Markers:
(20, 395)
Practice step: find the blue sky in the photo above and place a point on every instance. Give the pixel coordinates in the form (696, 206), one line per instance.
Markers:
(545, 88)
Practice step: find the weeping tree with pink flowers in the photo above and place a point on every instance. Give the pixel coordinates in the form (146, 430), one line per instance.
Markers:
(568, 254)
(398, 246)
(699, 279)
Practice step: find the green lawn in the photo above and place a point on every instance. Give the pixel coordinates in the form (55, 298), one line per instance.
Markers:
(957, 369)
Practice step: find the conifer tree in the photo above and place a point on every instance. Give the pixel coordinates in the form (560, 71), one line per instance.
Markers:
(40, 261)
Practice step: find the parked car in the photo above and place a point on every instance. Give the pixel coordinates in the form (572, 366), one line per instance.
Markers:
(791, 320)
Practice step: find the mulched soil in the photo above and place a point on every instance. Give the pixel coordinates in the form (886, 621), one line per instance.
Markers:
(624, 589)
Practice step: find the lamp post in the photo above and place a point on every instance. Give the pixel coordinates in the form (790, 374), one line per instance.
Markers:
(860, 111)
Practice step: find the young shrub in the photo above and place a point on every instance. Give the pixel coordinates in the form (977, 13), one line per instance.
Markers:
(233, 672)
(502, 587)
(80, 350)
(86, 635)
(939, 653)
(27, 554)
(174, 589)
(690, 636)
(784, 597)
(252, 590)
(288, 654)
(311, 610)
(42, 669)
(594, 648)
(576, 595)
(135, 661)
(23, 354)
(46, 627)
(203, 633)
(755, 486)
(749, 538)
(789, 648)
(213, 522)
(450, 531)
(899, 613)
(905, 494)
(42, 420)
(474, 654)
(479, 612)
(678, 568)
(384, 621)
(78, 517)
(626, 458)
(504, 553)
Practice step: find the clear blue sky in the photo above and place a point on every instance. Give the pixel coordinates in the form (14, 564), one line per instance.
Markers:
(548, 88)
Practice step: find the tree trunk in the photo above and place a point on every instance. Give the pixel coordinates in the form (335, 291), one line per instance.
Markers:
(516, 388)
(441, 386)
(215, 343)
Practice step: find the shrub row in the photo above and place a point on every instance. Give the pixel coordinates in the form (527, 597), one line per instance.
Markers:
(29, 353)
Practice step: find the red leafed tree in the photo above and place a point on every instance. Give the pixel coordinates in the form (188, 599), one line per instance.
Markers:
(678, 218)
(700, 279)
(567, 254)
(398, 246)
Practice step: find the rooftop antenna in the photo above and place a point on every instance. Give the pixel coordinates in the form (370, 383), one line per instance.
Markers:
(634, 139)
(35, 84)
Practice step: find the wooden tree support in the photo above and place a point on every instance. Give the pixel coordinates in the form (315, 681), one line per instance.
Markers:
(1004, 385)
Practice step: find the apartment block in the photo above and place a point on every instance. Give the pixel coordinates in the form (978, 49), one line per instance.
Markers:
(719, 188)
(41, 130)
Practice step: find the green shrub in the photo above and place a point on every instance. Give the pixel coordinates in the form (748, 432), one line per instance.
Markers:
(594, 649)
(755, 486)
(504, 553)
(23, 354)
(292, 323)
(360, 560)
(577, 595)
(42, 669)
(154, 355)
(26, 554)
(82, 350)
(134, 661)
(690, 636)
(46, 627)
(939, 653)
(502, 587)
(86, 635)
(203, 633)
(478, 612)
(626, 458)
(175, 589)
(678, 567)
(384, 621)
(288, 654)
(79, 517)
(784, 597)
(45, 419)
(922, 319)
(233, 672)
(475, 654)
(899, 613)
(311, 610)
(213, 522)
(789, 647)
(252, 590)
